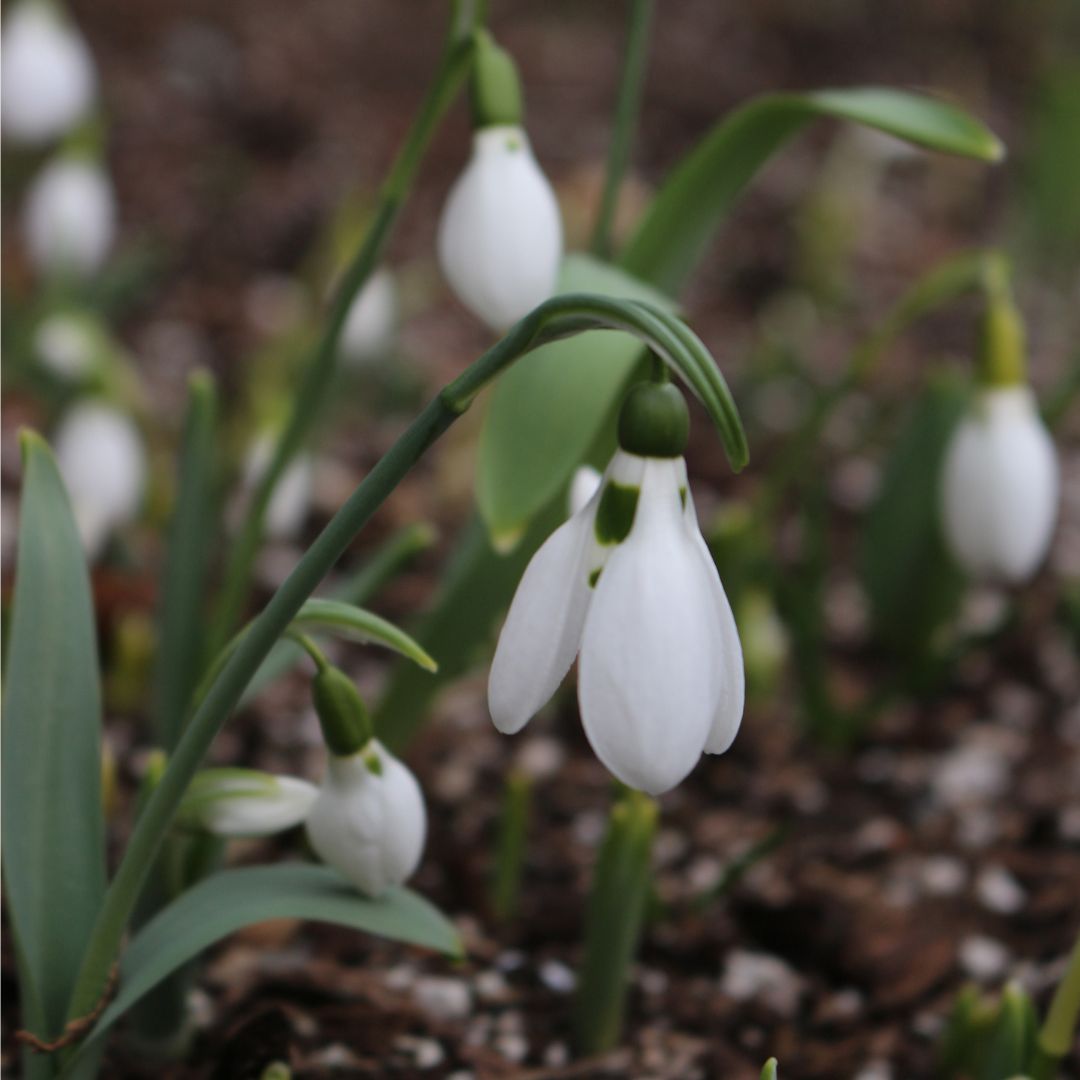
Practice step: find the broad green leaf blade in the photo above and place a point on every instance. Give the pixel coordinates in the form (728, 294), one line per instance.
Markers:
(544, 414)
(344, 620)
(679, 224)
(230, 900)
(911, 582)
(191, 533)
(53, 829)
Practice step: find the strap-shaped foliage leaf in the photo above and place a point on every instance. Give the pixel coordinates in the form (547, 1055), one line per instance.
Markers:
(191, 534)
(543, 415)
(680, 222)
(911, 582)
(53, 830)
(233, 899)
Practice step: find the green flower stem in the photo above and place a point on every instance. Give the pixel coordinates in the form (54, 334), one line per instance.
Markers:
(310, 646)
(556, 318)
(613, 922)
(510, 845)
(626, 115)
(311, 394)
(1059, 1028)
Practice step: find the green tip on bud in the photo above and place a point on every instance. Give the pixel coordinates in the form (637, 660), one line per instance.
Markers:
(343, 716)
(496, 88)
(1002, 341)
(654, 421)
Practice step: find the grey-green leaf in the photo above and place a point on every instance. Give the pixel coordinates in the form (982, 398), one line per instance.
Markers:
(345, 620)
(680, 222)
(53, 827)
(912, 584)
(544, 413)
(230, 900)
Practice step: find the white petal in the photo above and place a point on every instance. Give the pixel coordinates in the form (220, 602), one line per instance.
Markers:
(47, 76)
(729, 660)
(500, 236)
(542, 631)
(101, 459)
(583, 487)
(649, 683)
(1000, 487)
(370, 828)
(66, 345)
(291, 501)
(369, 327)
(261, 805)
(69, 218)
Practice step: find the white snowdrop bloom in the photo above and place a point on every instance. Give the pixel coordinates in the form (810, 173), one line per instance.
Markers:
(368, 820)
(369, 326)
(629, 583)
(47, 80)
(247, 803)
(291, 501)
(101, 459)
(70, 218)
(66, 344)
(583, 487)
(1000, 486)
(500, 238)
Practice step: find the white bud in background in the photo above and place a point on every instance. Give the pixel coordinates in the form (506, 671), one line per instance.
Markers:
(246, 803)
(583, 487)
(369, 327)
(102, 461)
(500, 237)
(66, 345)
(291, 501)
(1000, 487)
(69, 218)
(47, 80)
(369, 820)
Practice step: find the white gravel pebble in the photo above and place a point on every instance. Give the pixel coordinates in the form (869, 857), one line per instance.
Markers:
(443, 998)
(999, 891)
(983, 958)
(557, 977)
(748, 976)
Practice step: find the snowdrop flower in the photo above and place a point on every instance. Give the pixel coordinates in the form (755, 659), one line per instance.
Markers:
(246, 803)
(369, 326)
(101, 459)
(67, 344)
(47, 79)
(583, 487)
(629, 583)
(69, 218)
(368, 820)
(291, 501)
(500, 237)
(1000, 486)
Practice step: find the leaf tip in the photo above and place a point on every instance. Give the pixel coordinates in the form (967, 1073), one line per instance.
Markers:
(504, 540)
(31, 441)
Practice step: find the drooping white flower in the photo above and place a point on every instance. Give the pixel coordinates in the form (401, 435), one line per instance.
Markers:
(369, 326)
(69, 218)
(583, 487)
(629, 583)
(1000, 486)
(500, 237)
(246, 803)
(101, 459)
(368, 820)
(47, 80)
(291, 501)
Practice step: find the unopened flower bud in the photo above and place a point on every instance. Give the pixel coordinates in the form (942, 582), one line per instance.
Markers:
(368, 820)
